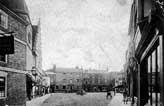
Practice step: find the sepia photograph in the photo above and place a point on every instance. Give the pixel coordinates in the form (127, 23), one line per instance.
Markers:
(81, 52)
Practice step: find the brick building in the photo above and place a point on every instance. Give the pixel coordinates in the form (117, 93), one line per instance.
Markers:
(73, 79)
(97, 80)
(66, 79)
(15, 69)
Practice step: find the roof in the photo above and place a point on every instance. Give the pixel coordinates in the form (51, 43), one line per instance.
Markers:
(47, 72)
(17, 6)
(67, 70)
(96, 71)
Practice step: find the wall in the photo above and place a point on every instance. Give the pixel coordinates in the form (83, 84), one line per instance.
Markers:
(16, 89)
(16, 82)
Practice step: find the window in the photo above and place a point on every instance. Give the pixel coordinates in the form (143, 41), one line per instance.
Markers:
(3, 19)
(57, 87)
(64, 87)
(71, 81)
(86, 82)
(153, 62)
(78, 80)
(64, 80)
(3, 58)
(29, 38)
(2, 87)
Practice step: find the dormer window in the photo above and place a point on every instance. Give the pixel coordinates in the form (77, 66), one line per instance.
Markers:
(3, 19)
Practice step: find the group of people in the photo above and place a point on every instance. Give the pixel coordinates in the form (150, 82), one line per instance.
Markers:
(109, 94)
(125, 95)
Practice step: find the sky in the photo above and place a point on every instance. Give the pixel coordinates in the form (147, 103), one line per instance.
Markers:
(86, 33)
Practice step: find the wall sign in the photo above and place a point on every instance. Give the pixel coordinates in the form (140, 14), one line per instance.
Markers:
(7, 45)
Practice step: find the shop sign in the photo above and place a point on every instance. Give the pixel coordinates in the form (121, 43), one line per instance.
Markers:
(7, 45)
(137, 38)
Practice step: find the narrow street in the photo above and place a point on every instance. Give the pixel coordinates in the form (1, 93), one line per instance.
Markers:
(71, 99)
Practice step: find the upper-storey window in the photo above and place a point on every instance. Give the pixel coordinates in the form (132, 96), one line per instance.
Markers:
(29, 38)
(3, 19)
(3, 57)
(147, 7)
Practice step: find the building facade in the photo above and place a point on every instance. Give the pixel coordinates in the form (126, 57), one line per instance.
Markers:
(96, 82)
(68, 80)
(145, 65)
(74, 79)
(15, 69)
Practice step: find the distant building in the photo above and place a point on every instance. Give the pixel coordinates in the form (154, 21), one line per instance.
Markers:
(68, 79)
(96, 80)
(73, 79)
(120, 82)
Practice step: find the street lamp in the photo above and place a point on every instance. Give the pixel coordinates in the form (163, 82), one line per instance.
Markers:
(34, 73)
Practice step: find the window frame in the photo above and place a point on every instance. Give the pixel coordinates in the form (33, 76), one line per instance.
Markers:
(29, 37)
(5, 59)
(4, 75)
(5, 16)
(4, 54)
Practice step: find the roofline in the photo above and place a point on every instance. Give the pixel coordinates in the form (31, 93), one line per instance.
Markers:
(14, 14)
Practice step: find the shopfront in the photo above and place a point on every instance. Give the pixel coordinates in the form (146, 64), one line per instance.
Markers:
(150, 72)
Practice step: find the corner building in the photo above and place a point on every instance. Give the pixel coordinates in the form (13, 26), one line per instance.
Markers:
(14, 16)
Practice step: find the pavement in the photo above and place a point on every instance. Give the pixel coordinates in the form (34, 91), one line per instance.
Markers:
(38, 100)
(117, 100)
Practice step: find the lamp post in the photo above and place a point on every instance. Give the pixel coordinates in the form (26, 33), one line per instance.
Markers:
(34, 73)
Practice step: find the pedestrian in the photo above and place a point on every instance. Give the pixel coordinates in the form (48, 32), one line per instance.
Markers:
(108, 94)
(125, 94)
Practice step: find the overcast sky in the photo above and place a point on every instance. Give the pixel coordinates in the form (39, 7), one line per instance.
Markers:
(87, 33)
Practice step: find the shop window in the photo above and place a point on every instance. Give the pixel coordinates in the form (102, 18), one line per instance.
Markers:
(3, 19)
(2, 87)
(154, 77)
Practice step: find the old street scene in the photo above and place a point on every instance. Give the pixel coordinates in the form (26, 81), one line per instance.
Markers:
(81, 52)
